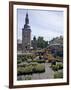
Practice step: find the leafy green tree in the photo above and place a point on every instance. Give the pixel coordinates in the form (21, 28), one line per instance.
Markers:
(34, 43)
(41, 43)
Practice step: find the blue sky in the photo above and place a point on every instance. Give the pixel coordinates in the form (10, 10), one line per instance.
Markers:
(46, 23)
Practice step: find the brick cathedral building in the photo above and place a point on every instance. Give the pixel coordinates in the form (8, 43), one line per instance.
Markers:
(26, 35)
(25, 45)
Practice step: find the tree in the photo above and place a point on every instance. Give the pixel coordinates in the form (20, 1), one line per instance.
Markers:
(46, 44)
(41, 43)
(34, 43)
(34, 38)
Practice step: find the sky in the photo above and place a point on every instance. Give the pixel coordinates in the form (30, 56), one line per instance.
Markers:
(45, 23)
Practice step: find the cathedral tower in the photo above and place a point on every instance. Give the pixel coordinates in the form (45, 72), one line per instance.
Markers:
(26, 35)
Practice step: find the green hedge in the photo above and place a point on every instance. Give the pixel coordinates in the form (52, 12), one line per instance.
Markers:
(28, 78)
(58, 75)
(25, 57)
(29, 69)
(60, 66)
(18, 61)
(24, 70)
(57, 67)
(39, 61)
(39, 68)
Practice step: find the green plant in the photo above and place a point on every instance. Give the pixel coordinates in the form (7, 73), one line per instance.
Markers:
(33, 63)
(57, 67)
(29, 69)
(28, 78)
(60, 66)
(20, 70)
(19, 57)
(24, 58)
(39, 61)
(29, 60)
(18, 61)
(25, 70)
(39, 68)
(58, 75)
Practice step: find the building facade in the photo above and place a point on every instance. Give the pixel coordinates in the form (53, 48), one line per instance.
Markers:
(26, 35)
